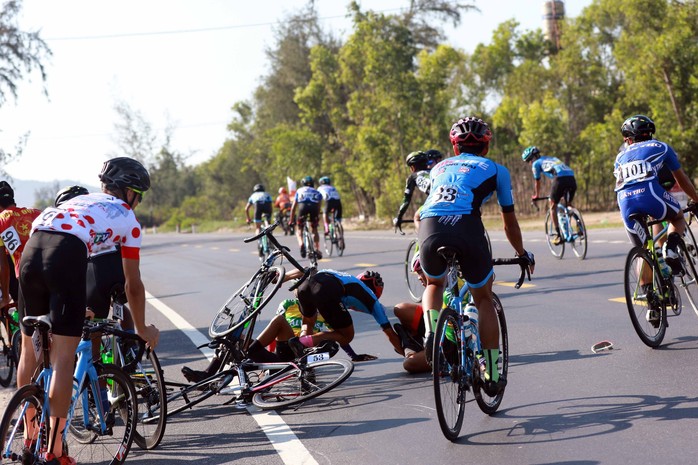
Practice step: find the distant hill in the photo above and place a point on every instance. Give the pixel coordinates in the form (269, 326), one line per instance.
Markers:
(25, 190)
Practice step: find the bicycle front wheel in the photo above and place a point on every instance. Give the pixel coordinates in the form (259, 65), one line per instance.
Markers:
(22, 414)
(86, 440)
(329, 243)
(7, 356)
(149, 384)
(246, 302)
(414, 286)
(487, 404)
(550, 233)
(449, 376)
(689, 278)
(303, 383)
(579, 234)
(646, 304)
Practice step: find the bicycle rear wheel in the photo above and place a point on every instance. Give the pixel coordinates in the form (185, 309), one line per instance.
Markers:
(647, 308)
(414, 286)
(303, 383)
(487, 404)
(309, 243)
(247, 302)
(550, 232)
(689, 278)
(329, 242)
(14, 422)
(86, 443)
(339, 235)
(449, 377)
(7, 356)
(579, 234)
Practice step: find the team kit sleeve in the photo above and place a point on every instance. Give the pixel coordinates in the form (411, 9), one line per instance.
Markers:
(505, 196)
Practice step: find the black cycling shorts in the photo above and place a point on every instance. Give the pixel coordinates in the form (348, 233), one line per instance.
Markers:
(322, 294)
(105, 275)
(333, 205)
(262, 209)
(308, 209)
(52, 281)
(560, 185)
(466, 234)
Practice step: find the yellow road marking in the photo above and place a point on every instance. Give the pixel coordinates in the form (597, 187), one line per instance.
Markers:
(512, 284)
(366, 264)
(618, 299)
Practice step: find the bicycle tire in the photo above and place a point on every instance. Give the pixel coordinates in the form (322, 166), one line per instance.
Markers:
(309, 243)
(579, 234)
(17, 345)
(304, 383)
(7, 356)
(414, 286)
(190, 395)
(449, 384)
(247, 302)
(689, 278)
(487, 404)
(13, 423)
(638, 302)
(339, 234)
(88, 446)
(558, 251)
(148, 381)
(691, 244)
(328, 242)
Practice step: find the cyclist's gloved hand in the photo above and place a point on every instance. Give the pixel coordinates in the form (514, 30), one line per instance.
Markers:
(530, 261)
(249, 221)
(396, 222)
(693, 206)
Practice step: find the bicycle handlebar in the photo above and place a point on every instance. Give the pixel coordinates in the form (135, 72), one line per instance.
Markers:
(107, 327)
(521, 261)
(538, 199)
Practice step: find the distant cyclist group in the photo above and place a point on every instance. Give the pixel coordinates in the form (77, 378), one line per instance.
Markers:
(66, 261)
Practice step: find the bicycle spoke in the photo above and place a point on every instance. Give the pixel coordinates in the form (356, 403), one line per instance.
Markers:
(644, 297)
(449, 378)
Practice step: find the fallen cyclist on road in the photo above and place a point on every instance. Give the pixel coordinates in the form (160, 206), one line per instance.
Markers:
(285, 325)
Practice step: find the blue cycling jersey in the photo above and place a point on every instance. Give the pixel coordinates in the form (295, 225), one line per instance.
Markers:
(640, 162)
(259, 197)
(308, 194)
(551, 167)
(461, 184)
(359, 297)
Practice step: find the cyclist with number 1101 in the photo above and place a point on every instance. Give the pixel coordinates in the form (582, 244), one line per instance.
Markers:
(451, 217)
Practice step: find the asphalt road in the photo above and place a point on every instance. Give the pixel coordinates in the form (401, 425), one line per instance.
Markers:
(563, 404)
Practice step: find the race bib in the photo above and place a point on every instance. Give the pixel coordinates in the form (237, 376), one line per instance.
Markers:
(314, 358)
(634, 170)
(118, 311)
(10, 237)
(445, 193)
(639, 230)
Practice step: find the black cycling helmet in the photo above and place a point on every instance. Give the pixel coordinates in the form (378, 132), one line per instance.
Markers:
(258, 188)
(435, 155)
(125, 173)
(68, 193)
(469, 131)
(417, 159)
(7, 194)
(638, 127)
(308, 181)
(325, 180)
(373, 280)
(529, 153)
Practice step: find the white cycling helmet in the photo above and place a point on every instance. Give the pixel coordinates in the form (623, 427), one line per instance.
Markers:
(415, 264)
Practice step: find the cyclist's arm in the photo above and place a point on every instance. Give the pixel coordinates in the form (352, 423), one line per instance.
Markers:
(685, 183)
(135, 292)
(536, 188)
(247, 210)
(4, 278)
(293, 210)
(407, 198)
(308, 325)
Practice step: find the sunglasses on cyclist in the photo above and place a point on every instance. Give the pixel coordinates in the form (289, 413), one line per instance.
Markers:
(139, 193)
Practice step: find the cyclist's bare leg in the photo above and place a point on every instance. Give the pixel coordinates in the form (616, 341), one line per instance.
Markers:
(325, 223)
(277, 329)
(63, 360)
(432, 299)
(27, 362)
(343, 336)
(488, 323)
(553, 215)
(316, 236)
(299, 233)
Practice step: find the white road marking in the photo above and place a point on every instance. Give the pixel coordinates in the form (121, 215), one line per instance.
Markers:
(286, 443)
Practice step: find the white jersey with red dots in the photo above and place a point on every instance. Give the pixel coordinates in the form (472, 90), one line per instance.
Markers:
(100, 220)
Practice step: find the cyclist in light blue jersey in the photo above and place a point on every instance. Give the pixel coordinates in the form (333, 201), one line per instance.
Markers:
(333, 202)
(451, 217)
(562, 177)
(638, 186)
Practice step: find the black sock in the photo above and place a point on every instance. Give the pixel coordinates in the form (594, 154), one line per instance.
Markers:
(261, 355)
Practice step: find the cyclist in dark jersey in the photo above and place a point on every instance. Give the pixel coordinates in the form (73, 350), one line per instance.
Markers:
(451, 217)
(307, 203)
(419, 163)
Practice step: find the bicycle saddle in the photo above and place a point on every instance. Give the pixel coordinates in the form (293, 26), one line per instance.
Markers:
(41, 321)
(447, 251)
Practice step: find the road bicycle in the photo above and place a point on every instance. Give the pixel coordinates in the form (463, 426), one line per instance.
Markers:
(102, 414)
(335, 237)
(284, 220)
(458, 362)
(263, 243)
(145, 372)
(309, 243)
(572, 229)
(649, 292)
(10, 343)
(266, 385)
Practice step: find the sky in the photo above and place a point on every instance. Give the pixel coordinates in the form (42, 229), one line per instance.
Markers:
(179, 63)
